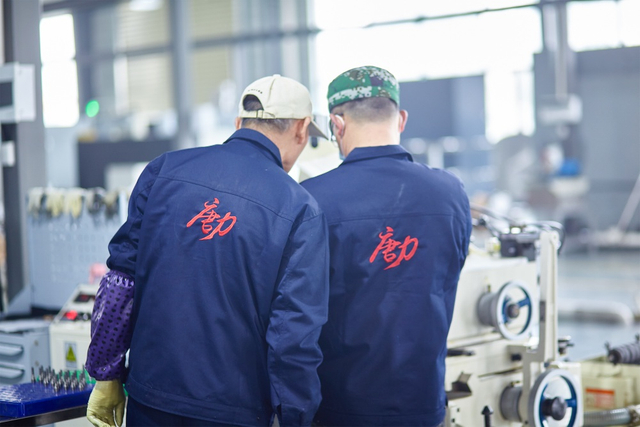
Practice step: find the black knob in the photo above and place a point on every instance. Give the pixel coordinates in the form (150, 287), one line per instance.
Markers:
(614, 356)
(487, 412)
(627, 354)
(555, 408)
(563, 344)
(513, 311)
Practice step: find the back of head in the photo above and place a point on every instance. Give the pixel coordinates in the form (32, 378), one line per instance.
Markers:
(367, 94)
(251, 103)
(366, 110)
(274, 103)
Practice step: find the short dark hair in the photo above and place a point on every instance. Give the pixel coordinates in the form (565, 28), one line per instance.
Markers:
(252, 103)
(368, 109)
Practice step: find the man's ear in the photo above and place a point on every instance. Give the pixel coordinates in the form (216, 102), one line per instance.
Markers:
(302, 127)
(338, 122)
(238, 122)
(402, 120)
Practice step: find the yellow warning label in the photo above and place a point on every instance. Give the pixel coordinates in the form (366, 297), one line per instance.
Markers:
(71, 357)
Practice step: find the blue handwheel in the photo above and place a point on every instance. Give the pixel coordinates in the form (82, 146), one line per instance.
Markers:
(501, 310)
(555, 400)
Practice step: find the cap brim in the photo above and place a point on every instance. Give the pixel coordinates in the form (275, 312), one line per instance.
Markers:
(314, 130)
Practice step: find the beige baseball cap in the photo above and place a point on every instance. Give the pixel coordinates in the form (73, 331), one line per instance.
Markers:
(281, 98)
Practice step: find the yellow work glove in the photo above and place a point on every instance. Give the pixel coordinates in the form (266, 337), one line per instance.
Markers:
(106, 404)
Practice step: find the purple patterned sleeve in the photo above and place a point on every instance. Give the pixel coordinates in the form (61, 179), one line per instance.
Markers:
(111, 327)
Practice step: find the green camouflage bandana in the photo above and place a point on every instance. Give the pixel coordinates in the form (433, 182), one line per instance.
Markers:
(363, 82)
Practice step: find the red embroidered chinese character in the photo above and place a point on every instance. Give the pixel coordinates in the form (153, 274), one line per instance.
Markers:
(209, 215)
(388, 246)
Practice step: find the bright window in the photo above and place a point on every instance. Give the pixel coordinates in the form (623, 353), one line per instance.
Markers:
(332, 14)
(629, 14)
(499, 45)
(59, 72)
(592, 25)
(603, 24)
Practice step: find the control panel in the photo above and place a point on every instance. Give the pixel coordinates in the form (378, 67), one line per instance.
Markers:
(79, 307)
(70, 331)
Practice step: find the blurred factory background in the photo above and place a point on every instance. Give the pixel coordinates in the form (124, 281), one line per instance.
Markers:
(535, 105)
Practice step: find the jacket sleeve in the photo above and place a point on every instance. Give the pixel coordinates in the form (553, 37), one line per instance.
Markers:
(467, 228)
(111, 328)
(298, 311)
(123, 247)
(111, 325)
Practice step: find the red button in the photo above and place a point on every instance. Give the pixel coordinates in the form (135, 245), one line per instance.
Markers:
(71, 315)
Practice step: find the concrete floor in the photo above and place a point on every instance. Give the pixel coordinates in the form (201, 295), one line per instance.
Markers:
(598, 299)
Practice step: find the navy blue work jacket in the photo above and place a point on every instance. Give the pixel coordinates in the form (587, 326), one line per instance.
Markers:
(230, 259)
(399, 235)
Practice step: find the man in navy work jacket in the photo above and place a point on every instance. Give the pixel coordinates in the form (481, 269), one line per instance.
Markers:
(399, 234)
(218, 281)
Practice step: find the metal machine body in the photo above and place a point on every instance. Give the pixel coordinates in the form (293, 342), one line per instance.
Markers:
(504, 366)
(478, 349)
(611, 386)
(24, 345)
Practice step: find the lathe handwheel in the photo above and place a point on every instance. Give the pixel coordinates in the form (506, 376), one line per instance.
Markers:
(500, 310)
(555, 400)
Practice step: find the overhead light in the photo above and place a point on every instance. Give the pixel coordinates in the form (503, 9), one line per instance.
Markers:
(144, 5)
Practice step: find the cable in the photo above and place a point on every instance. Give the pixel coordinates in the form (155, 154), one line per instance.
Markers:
(489, 212)
(486, 214)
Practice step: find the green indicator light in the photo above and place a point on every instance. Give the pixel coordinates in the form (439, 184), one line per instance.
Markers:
(92, 108)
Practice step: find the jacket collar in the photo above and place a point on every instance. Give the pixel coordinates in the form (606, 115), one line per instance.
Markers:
(364, 153)
(258, 139)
